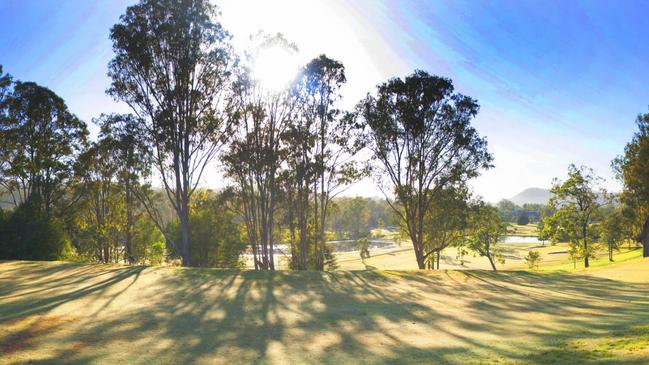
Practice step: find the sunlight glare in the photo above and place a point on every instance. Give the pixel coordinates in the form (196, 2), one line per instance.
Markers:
(275, 68)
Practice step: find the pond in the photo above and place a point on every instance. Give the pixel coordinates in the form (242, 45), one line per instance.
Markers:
(351, 245)
(522, 239)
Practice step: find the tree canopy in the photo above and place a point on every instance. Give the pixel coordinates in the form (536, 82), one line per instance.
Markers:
(419, 131)
(173, 65)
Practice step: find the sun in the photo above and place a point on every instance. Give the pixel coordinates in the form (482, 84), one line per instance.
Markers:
(275, 67)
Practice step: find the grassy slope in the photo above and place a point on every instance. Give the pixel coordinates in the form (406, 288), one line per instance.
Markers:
(529, 230)
(72, 313)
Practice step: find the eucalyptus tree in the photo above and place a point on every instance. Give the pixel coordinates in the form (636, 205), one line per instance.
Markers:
(100, 213)
(576, 203)
(321, 154)
(40, 141)
(172, 65)
(128, 146)
(633, 170)
(5, 184)
(255, 155)
(419, 131)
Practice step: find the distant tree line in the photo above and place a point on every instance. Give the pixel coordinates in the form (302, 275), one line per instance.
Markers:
(527, 213)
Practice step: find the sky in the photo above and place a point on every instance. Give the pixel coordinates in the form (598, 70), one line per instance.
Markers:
(558, 82)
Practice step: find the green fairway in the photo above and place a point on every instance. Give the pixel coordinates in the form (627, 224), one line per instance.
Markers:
(554, 257)
(63, 313)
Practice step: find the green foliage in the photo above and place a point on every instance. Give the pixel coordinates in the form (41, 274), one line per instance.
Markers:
(506, 208)
(173, 65)
(445, 220)
(29, 234)
(533, 259)
(486, 229)
(419, 131)
(148, 242)
(216, 239)
(615, 229)
(523, 219)
(577, 202)
(633, 170)
(355, 217)
(155, 253)
(40, 138)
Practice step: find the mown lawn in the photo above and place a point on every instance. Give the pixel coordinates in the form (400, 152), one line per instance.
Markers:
(554, 257)
(63, 313)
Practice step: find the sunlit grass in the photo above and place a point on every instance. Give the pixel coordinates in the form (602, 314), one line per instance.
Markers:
(529, 230)
(54, 313)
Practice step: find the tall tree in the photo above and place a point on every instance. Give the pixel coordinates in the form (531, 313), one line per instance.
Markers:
(101, 209)
(633, 171)
(254, 159)
(420, 132)
(128, 144)
(172, 65)
(577, 202)
(321, 153)
(5, 183)
(41, 139)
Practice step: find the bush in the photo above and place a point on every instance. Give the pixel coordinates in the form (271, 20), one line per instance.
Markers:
(215, 239)
(533, 259)
(156, 253)
(147, 242)
(28, 234)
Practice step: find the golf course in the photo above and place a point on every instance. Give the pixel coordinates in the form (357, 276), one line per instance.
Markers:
(68, 313)
(335, 182)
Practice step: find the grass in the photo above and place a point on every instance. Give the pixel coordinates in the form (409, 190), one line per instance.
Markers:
(529, 230)
(63, 313)
(554, 257)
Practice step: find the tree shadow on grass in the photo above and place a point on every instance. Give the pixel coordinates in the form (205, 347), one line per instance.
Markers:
(210, 316)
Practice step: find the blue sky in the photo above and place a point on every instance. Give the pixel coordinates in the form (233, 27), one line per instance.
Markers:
(558, 82)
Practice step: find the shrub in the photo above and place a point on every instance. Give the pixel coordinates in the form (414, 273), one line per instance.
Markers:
(533, 259)
(28, 234)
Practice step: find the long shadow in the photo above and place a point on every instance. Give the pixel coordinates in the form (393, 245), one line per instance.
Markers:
(209, 316)
(29, 306)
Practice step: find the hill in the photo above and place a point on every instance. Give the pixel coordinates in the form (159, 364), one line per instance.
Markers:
(531, 196)
(64, 313)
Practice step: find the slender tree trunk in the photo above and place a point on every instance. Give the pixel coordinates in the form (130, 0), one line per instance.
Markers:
(439, 253)
(129, 223)
(184, 235)
(491, 261)
(586, 253)
(645, 239)
(271, 224)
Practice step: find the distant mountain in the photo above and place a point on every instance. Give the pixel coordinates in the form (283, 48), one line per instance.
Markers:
(531, 196)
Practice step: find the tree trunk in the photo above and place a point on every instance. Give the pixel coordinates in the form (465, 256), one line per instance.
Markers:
(184, 236)
(586, 253)
(419, 255)
(439, 253)
(644, 238)
(129, 224)
(491, 261)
